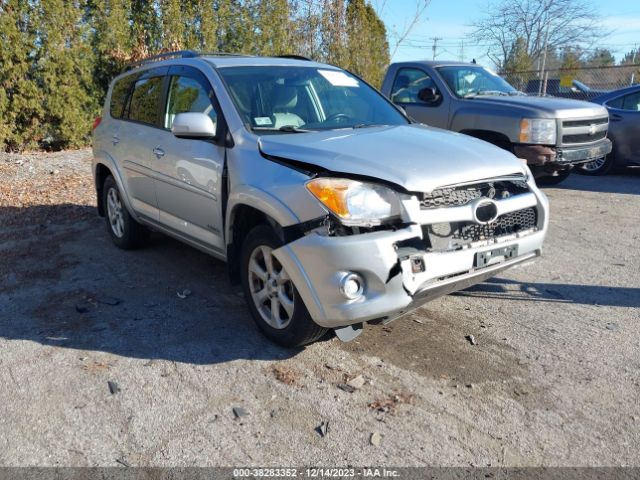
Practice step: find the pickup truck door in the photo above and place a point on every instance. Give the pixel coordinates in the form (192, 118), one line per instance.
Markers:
(406, 86)
(189, 171)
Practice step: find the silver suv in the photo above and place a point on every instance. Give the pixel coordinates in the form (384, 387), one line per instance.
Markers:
(330, 206)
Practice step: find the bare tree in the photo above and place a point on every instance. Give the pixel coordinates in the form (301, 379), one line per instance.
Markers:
(416, 17)
(543, 25)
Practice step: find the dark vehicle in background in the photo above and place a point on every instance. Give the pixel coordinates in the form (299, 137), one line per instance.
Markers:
(624, 130)
(554, 88)
(553, 135)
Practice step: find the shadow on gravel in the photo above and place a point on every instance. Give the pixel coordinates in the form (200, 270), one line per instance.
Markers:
(553, 292)
(64, 284)
(44, 214)
(625, 181)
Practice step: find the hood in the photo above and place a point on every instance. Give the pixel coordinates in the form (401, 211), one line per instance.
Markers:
(550, 107)
(414, 157)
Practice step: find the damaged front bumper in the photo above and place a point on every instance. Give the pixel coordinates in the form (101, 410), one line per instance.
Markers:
(317, 264)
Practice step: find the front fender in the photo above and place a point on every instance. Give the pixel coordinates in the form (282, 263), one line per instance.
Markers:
(260, 200)
(478, 118)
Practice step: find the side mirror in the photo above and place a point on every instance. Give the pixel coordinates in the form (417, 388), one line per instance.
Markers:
(428, 95)
(193, 125)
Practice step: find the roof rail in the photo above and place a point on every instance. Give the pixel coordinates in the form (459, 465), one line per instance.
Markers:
(161, 56)
(178, 54)
(295, 57)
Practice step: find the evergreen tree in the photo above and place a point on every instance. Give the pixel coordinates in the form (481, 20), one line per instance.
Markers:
(274, 27)
(518, 61)
(368, 49)
(111, 41)
(601, 57)
(20, 98)
(173, 31)
(65, 70)
(208, 26)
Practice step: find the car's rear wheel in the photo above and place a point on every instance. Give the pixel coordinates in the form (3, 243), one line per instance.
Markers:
(550, 180)
(273, 299)
(125, 232)
(600, 166)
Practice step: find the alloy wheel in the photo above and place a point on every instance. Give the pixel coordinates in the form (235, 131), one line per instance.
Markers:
(271, 288)
(115, 212)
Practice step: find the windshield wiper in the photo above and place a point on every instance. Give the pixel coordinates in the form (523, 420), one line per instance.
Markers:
(284, 128)
(369, 125)
(486, 92)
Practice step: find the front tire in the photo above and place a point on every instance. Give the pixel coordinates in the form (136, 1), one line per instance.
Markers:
(273, 300)
(125, 232)
(600, 166)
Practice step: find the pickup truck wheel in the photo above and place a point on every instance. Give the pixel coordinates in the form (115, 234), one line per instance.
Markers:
(273, 299)
(550, 180)
(600, 166)
(125, 232)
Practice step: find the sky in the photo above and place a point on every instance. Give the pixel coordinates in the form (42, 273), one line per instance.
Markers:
(451, 21)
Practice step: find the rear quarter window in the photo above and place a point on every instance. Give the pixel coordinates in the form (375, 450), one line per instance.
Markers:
(119, 97)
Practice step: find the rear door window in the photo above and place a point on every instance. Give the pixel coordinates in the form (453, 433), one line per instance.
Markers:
(145, 100)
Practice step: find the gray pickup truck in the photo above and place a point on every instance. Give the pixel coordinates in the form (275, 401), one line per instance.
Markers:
(552, 134)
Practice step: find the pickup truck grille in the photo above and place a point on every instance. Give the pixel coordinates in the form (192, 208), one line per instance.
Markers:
(583, 137)
(585, 122)
(584, 130)
(451, 236)
(458, 196)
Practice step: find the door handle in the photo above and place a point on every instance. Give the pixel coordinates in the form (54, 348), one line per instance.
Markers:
(158, 152)
(614, 117)
(115, 140)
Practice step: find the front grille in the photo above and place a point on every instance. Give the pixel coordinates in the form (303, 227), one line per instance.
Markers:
(586, 122)
(452, 236)
(584, 137)
(458, 196)
(507, 224)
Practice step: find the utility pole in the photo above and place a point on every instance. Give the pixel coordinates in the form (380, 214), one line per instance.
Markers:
(461, 56)
(435, 46)
(544, 76)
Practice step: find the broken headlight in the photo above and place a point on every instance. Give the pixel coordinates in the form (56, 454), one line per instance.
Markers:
(356, 204)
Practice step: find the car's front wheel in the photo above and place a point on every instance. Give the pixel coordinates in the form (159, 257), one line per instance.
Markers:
(273, 299)
(125, 232)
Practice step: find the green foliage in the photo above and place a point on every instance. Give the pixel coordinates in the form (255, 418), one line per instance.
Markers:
(57, 57)
(20, 99)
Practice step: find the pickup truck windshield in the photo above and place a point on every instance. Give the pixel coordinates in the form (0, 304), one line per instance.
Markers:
(468, 82)
(302, 99)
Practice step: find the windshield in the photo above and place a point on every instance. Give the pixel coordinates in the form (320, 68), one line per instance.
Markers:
(301, 99)
(468, 82)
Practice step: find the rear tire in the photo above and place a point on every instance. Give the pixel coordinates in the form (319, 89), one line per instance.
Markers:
(273, 300)
(125, 232)
(602, 166)
(550, 180)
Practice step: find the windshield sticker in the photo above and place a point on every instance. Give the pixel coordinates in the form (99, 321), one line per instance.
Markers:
(263, 121)
(338, 78)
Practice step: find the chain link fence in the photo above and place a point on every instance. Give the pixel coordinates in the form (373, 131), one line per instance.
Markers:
(579, 83)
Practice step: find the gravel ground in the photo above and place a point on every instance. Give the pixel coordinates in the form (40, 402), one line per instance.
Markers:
(553, 379)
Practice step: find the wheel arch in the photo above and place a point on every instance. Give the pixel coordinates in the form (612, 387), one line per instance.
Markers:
(246, 209)
(103, 166)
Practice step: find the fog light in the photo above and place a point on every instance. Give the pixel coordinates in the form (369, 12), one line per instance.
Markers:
(352, 286)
